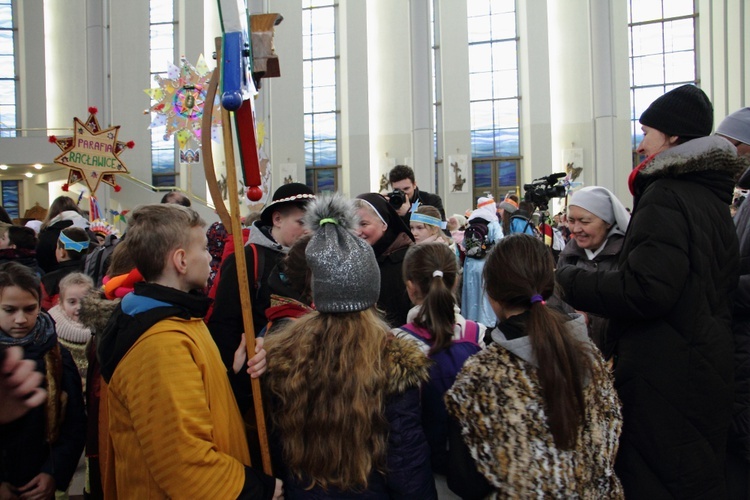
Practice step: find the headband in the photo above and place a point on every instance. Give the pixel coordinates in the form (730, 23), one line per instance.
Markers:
(69, 244)
(427, 219)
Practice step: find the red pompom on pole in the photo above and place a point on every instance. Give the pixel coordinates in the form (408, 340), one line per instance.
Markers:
(254, 193)
(130, 144)
(118, 188)
(52, 139)
(93, 110)
(66, 187)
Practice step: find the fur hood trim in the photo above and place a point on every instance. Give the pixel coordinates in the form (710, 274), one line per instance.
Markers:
(95, 312)
(698, 155)
(407, 365)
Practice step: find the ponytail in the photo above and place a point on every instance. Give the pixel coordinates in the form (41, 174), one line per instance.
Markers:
(433, 270)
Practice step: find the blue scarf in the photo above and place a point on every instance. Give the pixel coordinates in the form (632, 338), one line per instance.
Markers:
(43, 330)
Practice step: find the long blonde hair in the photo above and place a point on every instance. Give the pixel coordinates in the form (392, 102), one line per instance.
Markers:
(328, 375)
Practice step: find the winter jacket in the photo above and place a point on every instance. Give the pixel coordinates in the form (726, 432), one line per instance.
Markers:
(468, 339)
(225, 322)
(174, 427)
(573, 255)
(408, 473)
(670, 313)
(22, 256)
(393, 298)
(739, 440)
(498, 405)
(25, 448)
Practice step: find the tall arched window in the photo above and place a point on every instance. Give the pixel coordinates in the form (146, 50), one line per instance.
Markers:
(494, 96)
(320, 69)
(8, 80)
(662, 53)
(162, 35)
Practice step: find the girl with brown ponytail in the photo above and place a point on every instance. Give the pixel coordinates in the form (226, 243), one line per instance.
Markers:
(537, 409)
(436, 326)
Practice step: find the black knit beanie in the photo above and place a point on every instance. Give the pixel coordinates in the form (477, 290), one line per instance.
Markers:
(685, 112)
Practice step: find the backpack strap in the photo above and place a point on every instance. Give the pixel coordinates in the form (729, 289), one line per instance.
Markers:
(471, 332)
(418, 332)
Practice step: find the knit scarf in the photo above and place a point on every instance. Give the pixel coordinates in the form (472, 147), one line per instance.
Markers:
(42, 331)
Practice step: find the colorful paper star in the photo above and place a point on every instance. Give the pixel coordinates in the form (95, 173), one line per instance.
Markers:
(92, 154)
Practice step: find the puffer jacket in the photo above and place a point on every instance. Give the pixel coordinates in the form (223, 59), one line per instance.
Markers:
(670, 321)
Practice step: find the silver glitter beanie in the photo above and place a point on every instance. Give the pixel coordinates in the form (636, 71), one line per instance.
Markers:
(345, 273)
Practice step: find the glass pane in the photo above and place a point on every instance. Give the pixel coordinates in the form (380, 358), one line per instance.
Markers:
(326, 180)
(306, 47)
(162, 161)
(324, 99)
(7, 92)
(647, 39)
(480, 58)
(310, 178)
(165, 180)
(324, 45)
(6, 42)
(309, 127)
(324, 72)
(308, 154)
(506, 171)
(325, 125)
(323, 20)
(645, 10)
(506, 113)
(325, 153)
(307, 80)
(679, 66)
(482, 143)
(161, 11)
(10, 198)
(504, 55)
(648, 70)
(307, 92)
(476, 8)
(7, 67)
(162, 36)
(480, 29)
(480, 86)
(481, 115)
(676, 8)
(503, 25)
(161, 59)
(506, 142)
(6, 16)
(307, 27)
(482, 175)
(679, 35)
(505, 84)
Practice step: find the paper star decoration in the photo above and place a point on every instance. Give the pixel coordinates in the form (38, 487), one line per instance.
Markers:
(180, 99)
(92, 154)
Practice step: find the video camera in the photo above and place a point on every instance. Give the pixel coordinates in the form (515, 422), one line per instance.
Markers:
(396, 198)
(541, 190)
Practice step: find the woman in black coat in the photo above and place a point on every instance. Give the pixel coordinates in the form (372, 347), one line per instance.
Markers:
(382, 228)
(669, 305)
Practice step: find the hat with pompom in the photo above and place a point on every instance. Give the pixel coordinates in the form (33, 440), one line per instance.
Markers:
(345, 273)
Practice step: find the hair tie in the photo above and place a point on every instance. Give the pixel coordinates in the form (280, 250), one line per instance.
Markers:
(437, 274)
(69, 244)
(538, 298)
(328, 221)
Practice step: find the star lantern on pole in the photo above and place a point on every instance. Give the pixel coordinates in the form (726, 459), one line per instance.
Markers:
(92, 154)
(180, 100)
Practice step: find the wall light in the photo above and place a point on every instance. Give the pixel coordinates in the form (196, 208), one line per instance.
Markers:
(29, 175)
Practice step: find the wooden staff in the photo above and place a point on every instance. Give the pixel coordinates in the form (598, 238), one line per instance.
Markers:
(231, 221)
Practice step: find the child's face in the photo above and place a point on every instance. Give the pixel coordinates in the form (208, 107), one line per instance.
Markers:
(18, 311)
(198, 259)
(5, 240)
(70, 299)
(421, 231)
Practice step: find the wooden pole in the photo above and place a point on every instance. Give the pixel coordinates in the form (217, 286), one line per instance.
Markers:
(235, 228)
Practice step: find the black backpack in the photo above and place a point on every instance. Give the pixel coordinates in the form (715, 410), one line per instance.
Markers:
(97, 260)
(477, 239)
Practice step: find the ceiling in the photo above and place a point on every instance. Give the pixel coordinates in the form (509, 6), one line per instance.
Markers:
(16, 171)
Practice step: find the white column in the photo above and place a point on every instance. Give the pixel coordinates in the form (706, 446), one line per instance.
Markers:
(32, 98)
(421, 94)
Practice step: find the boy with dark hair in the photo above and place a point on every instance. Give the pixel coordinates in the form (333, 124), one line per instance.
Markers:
(174, 430)
(20, 247)
(279, 227)
(402, 177)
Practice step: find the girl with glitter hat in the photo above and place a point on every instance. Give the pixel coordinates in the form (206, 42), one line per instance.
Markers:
(344, 391)
(436, 326)
(536, 413)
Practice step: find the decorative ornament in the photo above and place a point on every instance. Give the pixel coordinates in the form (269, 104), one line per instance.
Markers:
(92, 154)
(180, 101)
(101, 227)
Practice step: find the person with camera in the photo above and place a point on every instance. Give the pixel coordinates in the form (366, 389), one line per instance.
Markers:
(406, 193)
